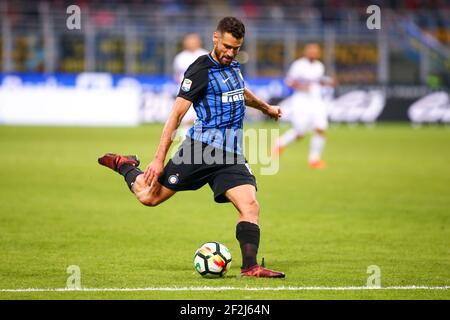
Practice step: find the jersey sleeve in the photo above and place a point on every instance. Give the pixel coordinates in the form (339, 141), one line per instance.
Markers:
(194, 83)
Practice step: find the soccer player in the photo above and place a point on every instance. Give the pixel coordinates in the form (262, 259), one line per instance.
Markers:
(192, 44)
(192, 49)
(307, 77)
(212, 152)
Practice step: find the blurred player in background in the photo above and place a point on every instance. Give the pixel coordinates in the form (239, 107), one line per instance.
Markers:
(192, 45)
(306, 77)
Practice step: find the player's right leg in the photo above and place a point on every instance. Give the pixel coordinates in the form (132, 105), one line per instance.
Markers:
(300, 120)
(317, 144)
(127, 166)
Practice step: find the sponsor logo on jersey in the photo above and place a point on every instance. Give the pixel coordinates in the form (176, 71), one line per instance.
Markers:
(233, 96)
(186, 85)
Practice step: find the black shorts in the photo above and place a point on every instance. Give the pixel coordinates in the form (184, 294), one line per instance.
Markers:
(197, 163)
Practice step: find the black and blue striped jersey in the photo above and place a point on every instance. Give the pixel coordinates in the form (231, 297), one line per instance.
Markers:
(217, 95)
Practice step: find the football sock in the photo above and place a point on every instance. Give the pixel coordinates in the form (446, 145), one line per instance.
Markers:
(130, 173)
(248, 234)
(316, 147)
(289, 137)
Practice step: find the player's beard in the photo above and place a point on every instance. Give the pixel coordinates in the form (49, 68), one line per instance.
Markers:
(221, 57)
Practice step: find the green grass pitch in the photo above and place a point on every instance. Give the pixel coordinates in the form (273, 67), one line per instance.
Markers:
(383, 200)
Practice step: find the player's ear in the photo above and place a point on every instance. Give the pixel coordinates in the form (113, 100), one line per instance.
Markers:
(215, 38)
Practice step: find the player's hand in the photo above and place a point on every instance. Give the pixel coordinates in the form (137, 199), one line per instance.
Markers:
(274, 112)
(328, 81)
(153, 171)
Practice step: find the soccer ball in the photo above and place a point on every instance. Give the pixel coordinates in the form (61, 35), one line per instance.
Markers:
(212, 260)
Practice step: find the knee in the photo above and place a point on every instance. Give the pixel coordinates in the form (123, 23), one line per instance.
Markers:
(250, 212)
(139, 183)
(148, 201)
(251, 208)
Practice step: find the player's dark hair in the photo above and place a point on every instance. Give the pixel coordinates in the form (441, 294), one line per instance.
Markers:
(233, 26)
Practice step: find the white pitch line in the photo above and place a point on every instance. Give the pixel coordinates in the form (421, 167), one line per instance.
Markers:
(228, 289)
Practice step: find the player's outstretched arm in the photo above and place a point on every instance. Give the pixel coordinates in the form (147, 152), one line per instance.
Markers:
(155, 168)
(253, 101)
(297, 85)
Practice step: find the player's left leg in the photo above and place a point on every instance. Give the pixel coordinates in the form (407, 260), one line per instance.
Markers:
(317, 143)
(287, 138)
(243, 198)
(316, 146)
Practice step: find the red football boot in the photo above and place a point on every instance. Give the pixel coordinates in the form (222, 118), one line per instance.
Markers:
(318, 164)
(115, 161)
(277, 150)
(261, 272)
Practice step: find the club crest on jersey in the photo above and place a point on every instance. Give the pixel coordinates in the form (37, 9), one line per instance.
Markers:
(173, 179)
(186, 85)
(233, 96)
